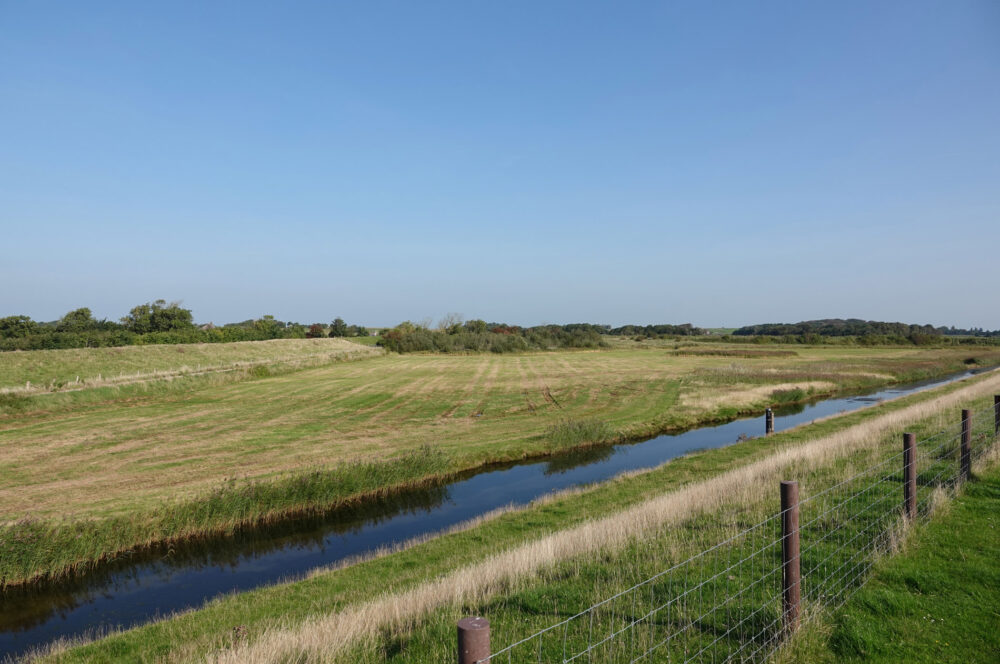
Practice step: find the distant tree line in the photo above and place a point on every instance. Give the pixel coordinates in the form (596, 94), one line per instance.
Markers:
(454, 336)
(155, 322)
(836, 327)
(971, 332)
(685, 330)
(160, 322)
(859, 331)
(654, 331)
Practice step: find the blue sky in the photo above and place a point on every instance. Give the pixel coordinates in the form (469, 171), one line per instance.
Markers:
(720, 163)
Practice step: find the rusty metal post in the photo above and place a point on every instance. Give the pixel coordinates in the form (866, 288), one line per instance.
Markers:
(790, 567)
(996, 414)
(768, 422)
(910, 476)
(473, 640)
(966, 444)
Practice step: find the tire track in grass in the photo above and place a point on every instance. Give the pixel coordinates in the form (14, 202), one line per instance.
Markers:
(471, 388)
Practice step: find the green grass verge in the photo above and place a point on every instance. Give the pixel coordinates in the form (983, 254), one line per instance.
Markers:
(938, 601)
(211, 627)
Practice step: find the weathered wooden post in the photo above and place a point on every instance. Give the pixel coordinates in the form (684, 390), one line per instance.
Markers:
(910, 476)
(790, 567)
(966, 444)
(768, 422)
(473, 640)
(996, 414)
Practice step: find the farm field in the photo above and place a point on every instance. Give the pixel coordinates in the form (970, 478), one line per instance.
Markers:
(131, 467)
(528, 568)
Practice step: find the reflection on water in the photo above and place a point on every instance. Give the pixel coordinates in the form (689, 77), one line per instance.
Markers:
(136, 589)
(24, 608)
(583, 457)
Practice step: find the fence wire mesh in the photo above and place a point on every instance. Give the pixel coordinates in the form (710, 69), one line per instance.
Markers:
(725, 603)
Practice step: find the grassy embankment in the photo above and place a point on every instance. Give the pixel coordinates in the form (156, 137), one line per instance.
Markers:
(936, 602)
(86, 482)
(46, 371)
(528, 568)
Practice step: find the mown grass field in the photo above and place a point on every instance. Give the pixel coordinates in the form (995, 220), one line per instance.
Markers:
(125, 467)
(604, 538)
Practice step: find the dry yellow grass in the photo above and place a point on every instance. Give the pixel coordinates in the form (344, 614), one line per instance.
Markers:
(327, 638)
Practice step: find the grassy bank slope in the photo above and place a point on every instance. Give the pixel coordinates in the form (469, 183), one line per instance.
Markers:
(31, 372)
(290, 611)
(938, 601)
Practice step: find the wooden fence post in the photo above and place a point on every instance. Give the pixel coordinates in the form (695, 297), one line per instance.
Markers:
(790, 567)
(966, 444)
(996, 414)
(473, 640)
(910, 476)
(768, 422)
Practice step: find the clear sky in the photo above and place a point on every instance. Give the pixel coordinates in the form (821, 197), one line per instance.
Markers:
(720, 163)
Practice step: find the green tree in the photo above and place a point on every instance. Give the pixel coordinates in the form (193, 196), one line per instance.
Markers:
(17, 326)
(338, 328)
(158, 316)
(294, 331)
(268, 326)
(78, 320)
(477, 326)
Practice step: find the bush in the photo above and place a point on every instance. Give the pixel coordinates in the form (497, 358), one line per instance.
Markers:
(13, 327)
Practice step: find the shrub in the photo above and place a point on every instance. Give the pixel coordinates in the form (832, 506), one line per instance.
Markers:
(16, 327)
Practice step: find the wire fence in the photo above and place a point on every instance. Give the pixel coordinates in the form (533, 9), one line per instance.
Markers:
(728, 604)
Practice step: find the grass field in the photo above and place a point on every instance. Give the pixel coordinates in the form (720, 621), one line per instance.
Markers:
(526, 568)
(129, 468)
(30, 372)
(938, 601)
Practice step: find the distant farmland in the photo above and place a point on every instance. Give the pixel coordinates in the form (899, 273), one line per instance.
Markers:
(124, 453)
